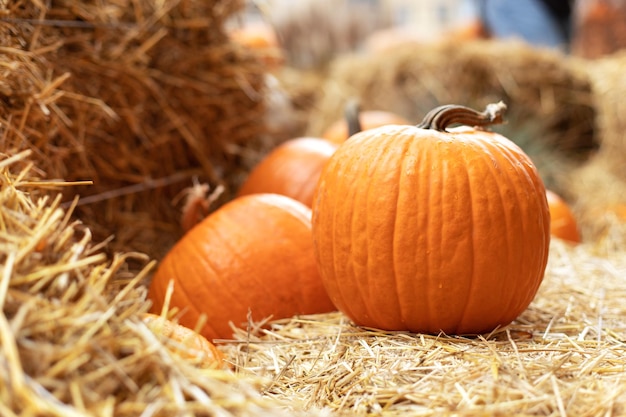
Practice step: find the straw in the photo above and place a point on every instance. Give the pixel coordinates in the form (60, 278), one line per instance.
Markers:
(72, 338)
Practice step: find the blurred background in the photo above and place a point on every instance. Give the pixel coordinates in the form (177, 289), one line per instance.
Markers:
(149, 99)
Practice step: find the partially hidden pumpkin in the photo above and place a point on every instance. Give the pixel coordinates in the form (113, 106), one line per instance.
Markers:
(339, 131)
(563, 223)
(260, 37)
(430, 228)
(252, 255)
(291, 169)
(185, 342)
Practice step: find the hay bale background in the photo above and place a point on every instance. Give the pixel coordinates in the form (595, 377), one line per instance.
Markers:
(138, 96)
(598, 198)
(312, 33)
(292, 96)
(609, 86)
(550, 104)
(597, 189)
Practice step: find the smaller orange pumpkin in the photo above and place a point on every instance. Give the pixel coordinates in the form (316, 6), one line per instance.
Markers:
(342, 129)
(292, 169)
(251, 258)
(185, 342)
(563, 224)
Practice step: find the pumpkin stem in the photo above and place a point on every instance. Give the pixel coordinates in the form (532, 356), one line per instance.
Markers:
(442, 117)
(352, 110)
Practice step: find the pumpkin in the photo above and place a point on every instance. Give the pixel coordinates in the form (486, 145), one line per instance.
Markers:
(254, 254)
(340, 130)
(291, 169)
(563, 224)
(615, 210)
(261, 38)
(382, 40)
(471, 30)
(185, 342)
(429, 229)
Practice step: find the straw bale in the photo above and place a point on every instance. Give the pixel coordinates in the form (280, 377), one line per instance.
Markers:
(292, 96)
(598, 198)
(548, 97)
(563, 356)
(597, 189)
(313, 32)
(138, 96)
(609, 87)
(72, 342)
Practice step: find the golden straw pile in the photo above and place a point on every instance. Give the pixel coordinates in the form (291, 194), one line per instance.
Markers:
(598, 188)
(607, 77)
(564, 356)
(71, 339)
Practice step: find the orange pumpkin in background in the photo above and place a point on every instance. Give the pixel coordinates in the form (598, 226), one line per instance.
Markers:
(339, 131)
(185, 342)
(563, 223)
(261, 38)
(291, 169)
(382, 40)
(253, 254)
(615, 210)
(430, 229)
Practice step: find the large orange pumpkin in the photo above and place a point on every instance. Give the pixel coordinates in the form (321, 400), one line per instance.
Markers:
(292, 169)
(254, 254)
(424, 229)
(563, 224)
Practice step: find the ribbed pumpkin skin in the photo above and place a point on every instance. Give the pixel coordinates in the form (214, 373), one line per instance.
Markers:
(563, 224)
(427, 231)
(292, 169)
(254, 253)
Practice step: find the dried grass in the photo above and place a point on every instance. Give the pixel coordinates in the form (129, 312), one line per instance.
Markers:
(597, 189)
(598, 198)
(563, 356)
(137, 96)
(72, 342)
(609, 86)
(550, 108)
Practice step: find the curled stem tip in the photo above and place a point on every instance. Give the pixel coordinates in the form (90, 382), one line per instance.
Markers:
(443, 117)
